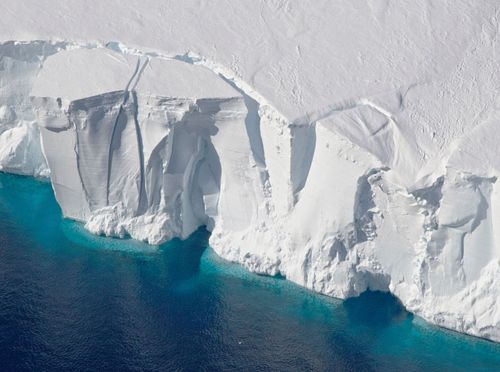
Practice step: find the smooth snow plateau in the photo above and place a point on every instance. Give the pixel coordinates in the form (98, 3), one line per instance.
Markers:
(343, 145)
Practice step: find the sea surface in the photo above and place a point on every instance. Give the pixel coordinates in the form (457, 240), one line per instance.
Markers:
(71, 301)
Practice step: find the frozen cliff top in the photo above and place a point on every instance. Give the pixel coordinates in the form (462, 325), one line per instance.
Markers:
(72, 75)
(82, 73)
(432, 65)
(172, 78)
(302, 56)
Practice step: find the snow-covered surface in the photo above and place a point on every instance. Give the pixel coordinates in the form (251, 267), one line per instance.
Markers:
(344, 145)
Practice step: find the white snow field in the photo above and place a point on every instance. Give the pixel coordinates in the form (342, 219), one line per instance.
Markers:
(345, 145)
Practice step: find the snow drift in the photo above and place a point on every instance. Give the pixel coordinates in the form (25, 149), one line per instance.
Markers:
(391, 189)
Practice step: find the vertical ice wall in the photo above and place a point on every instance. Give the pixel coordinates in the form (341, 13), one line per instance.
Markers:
(138, 144)
(340, 201)
(20, 63)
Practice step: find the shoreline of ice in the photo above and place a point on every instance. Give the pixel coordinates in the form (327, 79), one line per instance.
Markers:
(339, 201)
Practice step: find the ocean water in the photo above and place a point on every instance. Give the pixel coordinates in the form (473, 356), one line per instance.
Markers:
(73, 301)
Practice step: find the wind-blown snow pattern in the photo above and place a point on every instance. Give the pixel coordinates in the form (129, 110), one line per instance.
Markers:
(372, 161)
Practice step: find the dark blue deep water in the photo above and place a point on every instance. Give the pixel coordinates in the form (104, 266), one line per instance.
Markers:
(72, 301)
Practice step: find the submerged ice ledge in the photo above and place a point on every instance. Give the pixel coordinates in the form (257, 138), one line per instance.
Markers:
(340, 200)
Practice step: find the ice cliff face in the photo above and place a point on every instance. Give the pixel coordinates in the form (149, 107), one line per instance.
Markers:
(131, 151)
(340, 200)
(20, 150)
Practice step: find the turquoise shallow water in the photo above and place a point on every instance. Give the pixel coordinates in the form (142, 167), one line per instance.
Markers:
(73, 301)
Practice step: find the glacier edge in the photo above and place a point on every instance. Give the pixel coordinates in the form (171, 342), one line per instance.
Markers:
(333, 202)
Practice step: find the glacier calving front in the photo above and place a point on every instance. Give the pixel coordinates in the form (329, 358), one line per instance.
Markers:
(368, 192)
